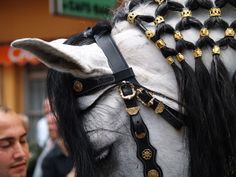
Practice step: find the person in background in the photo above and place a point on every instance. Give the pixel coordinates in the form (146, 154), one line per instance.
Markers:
(14, 149)
(57, 162)
(50, 142)
(42, 126)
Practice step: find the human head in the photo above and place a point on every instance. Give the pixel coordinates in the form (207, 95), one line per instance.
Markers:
(52, 126)
(14, 150)
(46, 106)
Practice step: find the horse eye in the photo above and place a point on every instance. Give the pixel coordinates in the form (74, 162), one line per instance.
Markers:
(103, 153)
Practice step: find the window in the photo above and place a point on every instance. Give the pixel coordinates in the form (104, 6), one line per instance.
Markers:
(35, 92)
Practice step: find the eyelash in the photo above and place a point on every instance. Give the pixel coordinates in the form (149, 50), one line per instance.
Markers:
(8, 144)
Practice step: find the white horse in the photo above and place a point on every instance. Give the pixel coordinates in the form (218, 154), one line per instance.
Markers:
(100, 139)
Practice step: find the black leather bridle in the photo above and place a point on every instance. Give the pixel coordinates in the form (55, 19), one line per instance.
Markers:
(131, 92)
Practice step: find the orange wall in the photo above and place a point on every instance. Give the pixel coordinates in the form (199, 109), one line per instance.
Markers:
(31, 18)
(12, 87)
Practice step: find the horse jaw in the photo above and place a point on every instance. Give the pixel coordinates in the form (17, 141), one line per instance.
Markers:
(81, 61)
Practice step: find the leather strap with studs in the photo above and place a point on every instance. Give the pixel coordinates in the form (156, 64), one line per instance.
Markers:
(173, 117)
(146, 153)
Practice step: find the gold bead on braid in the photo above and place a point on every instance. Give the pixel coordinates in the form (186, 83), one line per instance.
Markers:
(160, 43)
(149, 34)
(215, 12)
(197, 53)
(178, 35)
(216, 50)
(170, 60)
(230, 32)
(186, 13)
(180, 57)
(131, 17)
(159, 2)
(158, 20)
(204, 32)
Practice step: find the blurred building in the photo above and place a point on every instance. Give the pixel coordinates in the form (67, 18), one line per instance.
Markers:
(22, 77)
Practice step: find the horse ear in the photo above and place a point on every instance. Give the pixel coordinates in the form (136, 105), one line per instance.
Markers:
(81, 61)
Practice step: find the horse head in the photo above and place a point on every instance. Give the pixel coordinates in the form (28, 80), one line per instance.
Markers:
(133, 120)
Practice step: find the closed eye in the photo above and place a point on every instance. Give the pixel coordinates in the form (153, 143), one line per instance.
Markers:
(103, 154)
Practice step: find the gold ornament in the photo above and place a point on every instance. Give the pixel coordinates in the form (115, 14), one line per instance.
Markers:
(204, 32)
(149, 34)
(178, 35)
(230, 32)
(215, 12)
(159, 2)
(78, 86)
(186, 13)
(170, 60)
(197, 53)
(147, 154)
(140, 135)
(180, 57)
(160, 108)
(131, 17)
(153, 173)
(158, 20)
(160, 43)
(133, 111)
(216, 50)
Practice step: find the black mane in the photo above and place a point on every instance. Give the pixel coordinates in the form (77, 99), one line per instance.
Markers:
(209, 97)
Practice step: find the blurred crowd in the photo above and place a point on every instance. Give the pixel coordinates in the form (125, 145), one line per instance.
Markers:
(52, 159)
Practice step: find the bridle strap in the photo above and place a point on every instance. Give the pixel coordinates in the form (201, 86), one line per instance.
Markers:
(115, 58)
(95, 83)
(146, 153)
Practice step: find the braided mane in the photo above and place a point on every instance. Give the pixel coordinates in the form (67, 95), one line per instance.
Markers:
(208, 96)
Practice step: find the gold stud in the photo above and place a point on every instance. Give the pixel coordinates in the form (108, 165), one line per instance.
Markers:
(78, 86)
(159, 2)
(140, 135)
(230, 32)
(150, 102)
(147, 154)
(180, 57)
(131, 17)
(133, 110)
(215, 12)
(158, 20)
(178, 35)
(160, 43)
(197, 53)
(216, 50)
(153, 173)
(160, 108)
(204, 32)
(186, 13)
(149, 34)
(170, 60)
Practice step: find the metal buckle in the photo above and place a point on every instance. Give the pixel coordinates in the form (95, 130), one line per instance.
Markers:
(130, 96)
(150, 102)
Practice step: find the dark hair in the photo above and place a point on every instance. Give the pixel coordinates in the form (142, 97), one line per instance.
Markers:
(208, 98)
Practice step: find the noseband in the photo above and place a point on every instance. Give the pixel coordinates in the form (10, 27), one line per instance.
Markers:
(131, 92)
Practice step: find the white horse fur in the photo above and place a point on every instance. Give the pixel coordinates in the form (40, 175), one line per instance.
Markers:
(108, 122)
